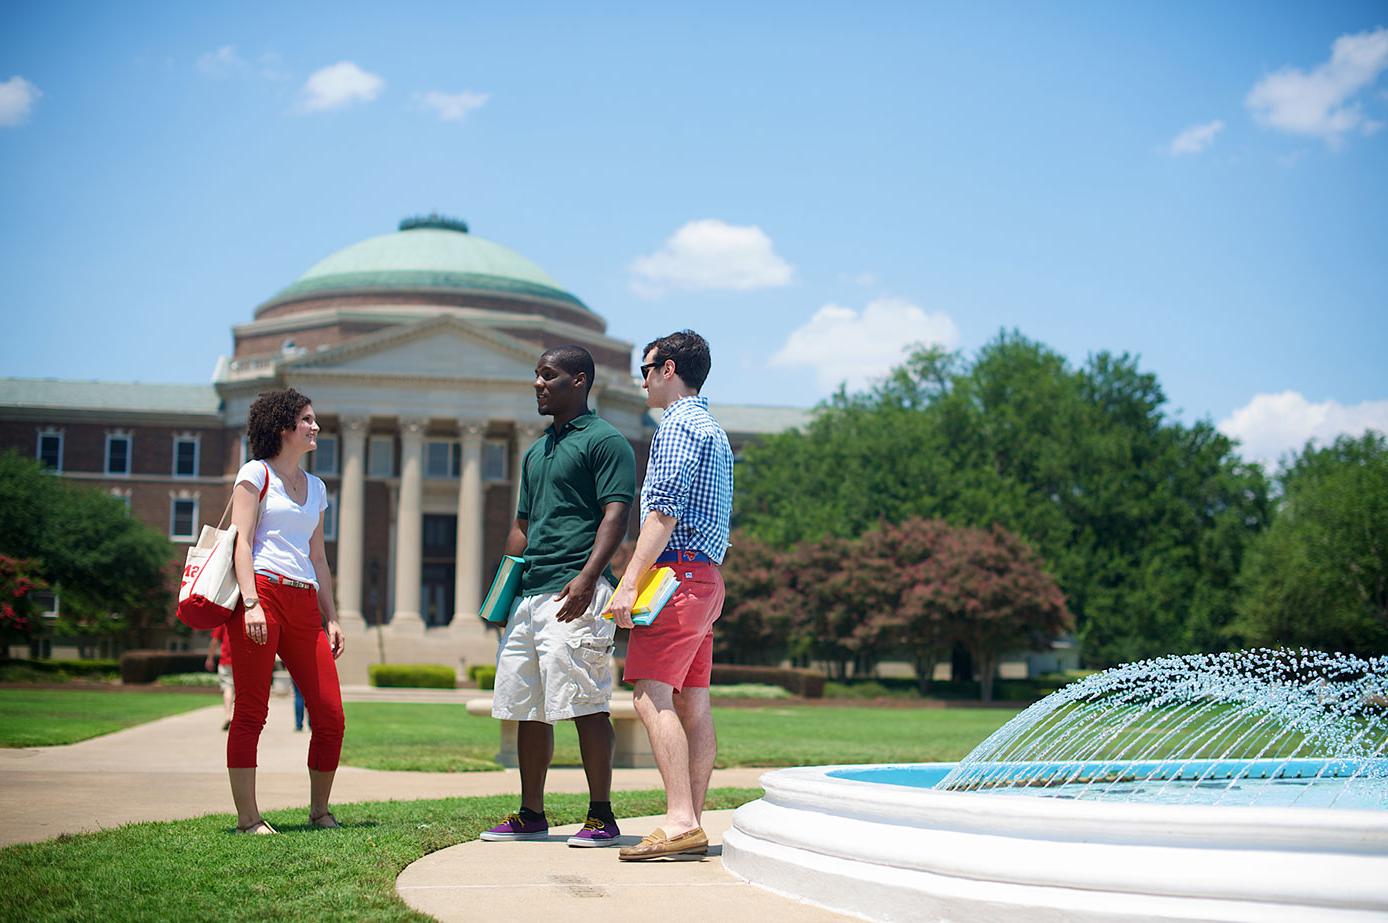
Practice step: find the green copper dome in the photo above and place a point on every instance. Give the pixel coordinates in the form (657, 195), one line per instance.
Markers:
(431, 253)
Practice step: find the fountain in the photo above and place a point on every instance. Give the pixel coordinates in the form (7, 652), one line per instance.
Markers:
(1249, 786)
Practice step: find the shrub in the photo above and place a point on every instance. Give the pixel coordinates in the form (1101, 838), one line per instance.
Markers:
(147, 666)
(57, 671)
(806, 683)
(748, 691)
(477, 670)
(188, 679)
(416, 675)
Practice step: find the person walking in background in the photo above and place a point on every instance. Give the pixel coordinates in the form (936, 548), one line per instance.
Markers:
(686, 508)
(219, 658)
(554, 660)
(286, 601)
(298, 707)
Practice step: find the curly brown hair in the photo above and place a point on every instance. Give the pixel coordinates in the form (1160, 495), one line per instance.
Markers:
(271, 414)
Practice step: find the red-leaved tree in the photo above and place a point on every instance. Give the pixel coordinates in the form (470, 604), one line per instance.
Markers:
(990, 591)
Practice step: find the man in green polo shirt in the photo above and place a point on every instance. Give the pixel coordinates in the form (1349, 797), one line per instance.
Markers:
(577, 486)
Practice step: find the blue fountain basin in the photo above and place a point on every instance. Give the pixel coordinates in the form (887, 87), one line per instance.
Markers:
(1305, 783)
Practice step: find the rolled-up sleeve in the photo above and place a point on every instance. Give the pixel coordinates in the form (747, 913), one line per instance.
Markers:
(670, 470)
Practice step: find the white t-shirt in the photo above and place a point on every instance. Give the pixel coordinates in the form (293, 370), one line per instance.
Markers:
(283, 530)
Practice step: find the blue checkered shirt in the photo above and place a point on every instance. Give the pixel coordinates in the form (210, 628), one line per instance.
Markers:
(690, 477)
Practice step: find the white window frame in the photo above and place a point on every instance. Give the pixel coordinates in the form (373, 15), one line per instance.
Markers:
(245, 448)
(123, 495)
(451, 461)
(196, 440)
(502, 447)
(48, 432)
(330, 470)
(129, 438)
(174, 500)
(330, 518)
(380, 447)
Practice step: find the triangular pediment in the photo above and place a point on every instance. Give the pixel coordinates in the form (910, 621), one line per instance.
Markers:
(440, 347)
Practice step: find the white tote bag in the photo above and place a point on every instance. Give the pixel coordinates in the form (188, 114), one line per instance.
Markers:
(208, 594)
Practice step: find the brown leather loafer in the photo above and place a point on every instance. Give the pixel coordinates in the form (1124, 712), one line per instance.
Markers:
(656, 845)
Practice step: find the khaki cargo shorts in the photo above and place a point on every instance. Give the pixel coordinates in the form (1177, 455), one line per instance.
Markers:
(550, 671)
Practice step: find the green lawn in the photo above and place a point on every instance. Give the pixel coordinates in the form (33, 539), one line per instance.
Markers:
(46, 717)
(200, 870)
(442, 738)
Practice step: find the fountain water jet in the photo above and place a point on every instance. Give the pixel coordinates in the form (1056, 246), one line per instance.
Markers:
(1250, 786)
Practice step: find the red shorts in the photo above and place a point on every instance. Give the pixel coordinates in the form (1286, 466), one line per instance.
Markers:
(677, 648)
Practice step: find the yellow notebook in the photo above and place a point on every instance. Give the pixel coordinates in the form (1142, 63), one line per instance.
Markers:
(654, 591)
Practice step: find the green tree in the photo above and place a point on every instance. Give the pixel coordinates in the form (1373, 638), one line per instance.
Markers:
(110, 571)
(1318, 577)
(1143, 520)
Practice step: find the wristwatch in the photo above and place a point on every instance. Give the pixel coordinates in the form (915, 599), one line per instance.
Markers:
(252, 602)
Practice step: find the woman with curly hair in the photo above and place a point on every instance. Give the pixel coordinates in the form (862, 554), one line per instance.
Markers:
(286, 600)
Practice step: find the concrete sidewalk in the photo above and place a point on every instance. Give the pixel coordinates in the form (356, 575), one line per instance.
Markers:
(544, 881)
(176, 768)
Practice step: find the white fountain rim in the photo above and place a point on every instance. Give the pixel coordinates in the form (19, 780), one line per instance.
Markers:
(1234, 826)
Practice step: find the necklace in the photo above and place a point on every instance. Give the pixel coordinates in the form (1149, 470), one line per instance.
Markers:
(298, 484)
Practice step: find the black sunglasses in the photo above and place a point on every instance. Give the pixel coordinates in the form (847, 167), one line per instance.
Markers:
(646, 369)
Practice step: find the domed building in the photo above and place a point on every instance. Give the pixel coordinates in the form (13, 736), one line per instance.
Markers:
(418, 350)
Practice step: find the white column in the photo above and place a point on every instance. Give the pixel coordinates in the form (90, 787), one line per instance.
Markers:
(409, 528)
(351, 516)
(467, 587)
(526, 434)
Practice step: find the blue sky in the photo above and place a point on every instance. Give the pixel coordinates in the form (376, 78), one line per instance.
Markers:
(810, 185)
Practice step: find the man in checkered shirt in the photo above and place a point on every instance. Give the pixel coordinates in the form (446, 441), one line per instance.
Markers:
(686, 505)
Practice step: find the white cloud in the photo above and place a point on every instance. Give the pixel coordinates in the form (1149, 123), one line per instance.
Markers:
(1195, 138)
(842, 345)
(17, 97)
(452, 107)
(711, 254)
(221, 62)
(1272, 424)
(1319, 103)
(339, 85)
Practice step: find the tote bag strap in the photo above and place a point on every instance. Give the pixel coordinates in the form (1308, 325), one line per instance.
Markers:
(264, 487)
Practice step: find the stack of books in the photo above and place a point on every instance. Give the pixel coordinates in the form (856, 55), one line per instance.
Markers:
(654, 591)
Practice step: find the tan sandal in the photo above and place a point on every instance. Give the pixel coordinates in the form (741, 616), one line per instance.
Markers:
(324, 821)
(255, 827)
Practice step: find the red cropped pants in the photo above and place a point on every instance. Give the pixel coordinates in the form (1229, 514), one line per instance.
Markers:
(294, 631)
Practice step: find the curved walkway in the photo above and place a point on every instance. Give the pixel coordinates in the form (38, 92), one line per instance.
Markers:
(540, 882)
(175, 768)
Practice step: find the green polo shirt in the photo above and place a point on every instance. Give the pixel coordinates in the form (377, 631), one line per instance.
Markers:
(566, 480)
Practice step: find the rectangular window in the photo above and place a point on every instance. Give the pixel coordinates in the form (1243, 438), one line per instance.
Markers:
(50, 450)
(380, 461)
(183, 519)
(325, 456)
(441, 459)
(245, 449)
(185, 457)
(117, 453)
(124, 498)
(330, 518)
(495, 453)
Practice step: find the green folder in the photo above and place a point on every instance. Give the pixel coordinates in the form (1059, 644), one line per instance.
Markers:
(496, 606)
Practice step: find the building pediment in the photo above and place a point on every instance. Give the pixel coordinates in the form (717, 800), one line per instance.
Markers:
(439, 347)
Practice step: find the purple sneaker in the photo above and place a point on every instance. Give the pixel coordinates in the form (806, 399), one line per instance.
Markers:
(513, 828)
(596, 832)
